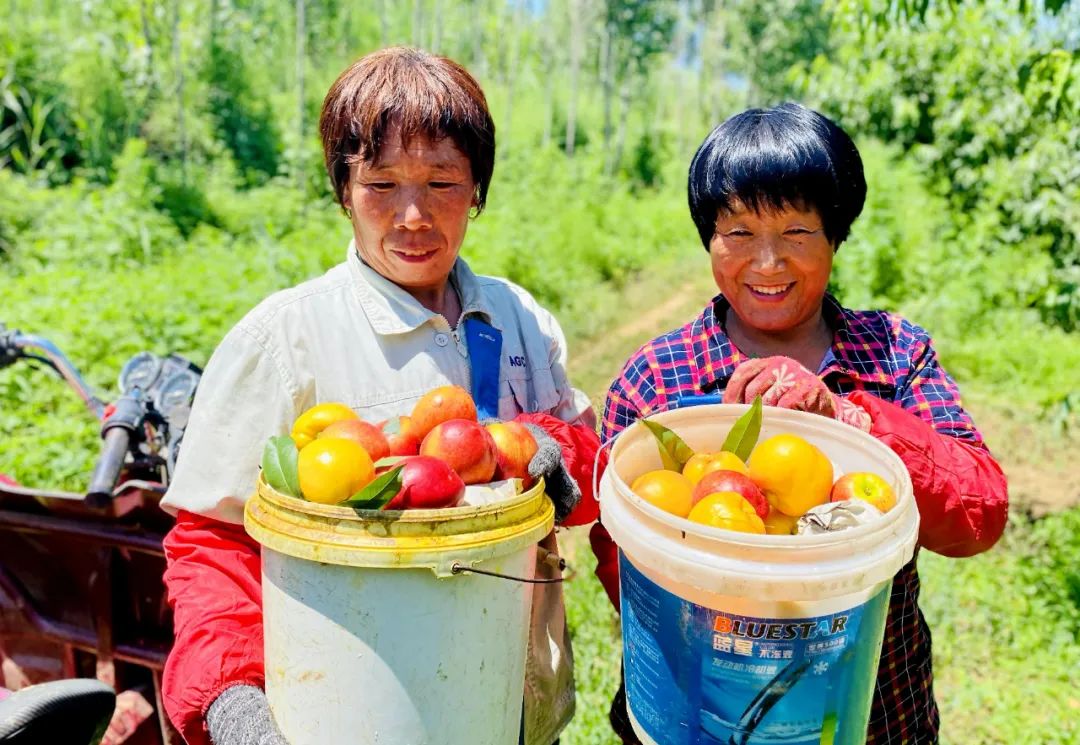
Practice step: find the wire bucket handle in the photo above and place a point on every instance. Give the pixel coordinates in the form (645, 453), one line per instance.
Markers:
(547, 557)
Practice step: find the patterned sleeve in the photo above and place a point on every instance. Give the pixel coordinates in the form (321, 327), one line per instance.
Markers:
(629, 398)
(929, 392)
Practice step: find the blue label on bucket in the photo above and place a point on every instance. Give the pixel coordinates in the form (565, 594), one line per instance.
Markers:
(699, 676)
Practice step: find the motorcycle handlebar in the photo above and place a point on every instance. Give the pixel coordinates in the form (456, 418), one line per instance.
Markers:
(15, 346)
(107, 470)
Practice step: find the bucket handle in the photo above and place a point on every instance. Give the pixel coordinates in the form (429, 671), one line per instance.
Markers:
(548, 557)
(596, 465)
(680, 401)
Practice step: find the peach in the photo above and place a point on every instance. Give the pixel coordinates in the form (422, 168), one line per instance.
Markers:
(427, 483)
(514, 449)
(866, 486)
(368, 435)
(777, 523)
(732, 481)
(466, 446)
(441, 405)
(401, 436)
(702, 464)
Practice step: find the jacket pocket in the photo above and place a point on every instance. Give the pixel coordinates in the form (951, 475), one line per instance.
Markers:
(532, 395)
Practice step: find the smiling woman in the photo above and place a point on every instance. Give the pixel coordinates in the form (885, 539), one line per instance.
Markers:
(773, 194)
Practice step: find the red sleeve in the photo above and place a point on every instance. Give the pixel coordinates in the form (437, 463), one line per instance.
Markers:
(213, 579)
(960, 489)
(607, 562)
(579, 446)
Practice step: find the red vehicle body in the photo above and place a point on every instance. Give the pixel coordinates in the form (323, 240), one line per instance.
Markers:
(81, 592)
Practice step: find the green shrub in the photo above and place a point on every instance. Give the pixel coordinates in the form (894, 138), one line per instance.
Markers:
(1006, 630)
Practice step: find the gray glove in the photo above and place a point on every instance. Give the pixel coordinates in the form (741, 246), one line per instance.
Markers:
(548, 463)
(241, 716)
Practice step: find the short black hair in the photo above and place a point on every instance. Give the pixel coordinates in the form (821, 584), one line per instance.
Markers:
(773, 158)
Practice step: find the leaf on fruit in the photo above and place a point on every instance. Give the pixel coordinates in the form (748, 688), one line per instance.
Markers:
(673, 451)
(279, 465)
(379, 492)
(390, 460)
(392, 426)
(744, 435)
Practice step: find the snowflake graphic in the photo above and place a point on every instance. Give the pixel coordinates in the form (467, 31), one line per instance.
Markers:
(820, 667)
(784, 382)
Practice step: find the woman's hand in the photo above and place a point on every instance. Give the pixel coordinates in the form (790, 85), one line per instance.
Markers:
(548, 463)
(783, 382)
(241, 716)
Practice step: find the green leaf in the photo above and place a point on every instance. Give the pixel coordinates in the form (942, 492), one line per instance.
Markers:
(388, 461)
(379, 492)
(279, 465)
(673, 451)
(744, 434)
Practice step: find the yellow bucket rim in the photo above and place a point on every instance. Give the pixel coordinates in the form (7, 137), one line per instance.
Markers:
(431, 539)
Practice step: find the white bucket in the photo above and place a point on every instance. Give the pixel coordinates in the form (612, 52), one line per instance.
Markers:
(371, 637)
(750, 639)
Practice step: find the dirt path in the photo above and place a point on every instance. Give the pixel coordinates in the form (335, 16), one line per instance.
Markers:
(1041, 465)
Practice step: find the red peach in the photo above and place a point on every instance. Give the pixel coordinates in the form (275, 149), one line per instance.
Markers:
(427, 483)
(720, 481)
(441, 405)
(466, 446)
(866, 486)
(401, 436)
(370, 437)
(515, 447)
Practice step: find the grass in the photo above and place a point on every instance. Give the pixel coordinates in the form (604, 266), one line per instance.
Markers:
(1006, 628)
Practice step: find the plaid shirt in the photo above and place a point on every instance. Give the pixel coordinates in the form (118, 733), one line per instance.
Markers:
(874, 351)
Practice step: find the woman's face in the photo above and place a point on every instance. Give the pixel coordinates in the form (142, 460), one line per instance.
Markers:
(772, 267)
(410, 209)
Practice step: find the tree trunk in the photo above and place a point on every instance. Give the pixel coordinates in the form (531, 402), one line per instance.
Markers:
(705, 93)
(301, 54)
(148, 38)
(181, 129)
(624, 116)
(436, 30)
(479, 58)
(384, 24)
(547, 63)
(346, 33)
(607, 85)
(575, 67)
(418, 23)
(511, 73)
(211, 35)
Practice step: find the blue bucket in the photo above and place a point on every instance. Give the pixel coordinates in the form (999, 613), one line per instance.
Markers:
(743, 639)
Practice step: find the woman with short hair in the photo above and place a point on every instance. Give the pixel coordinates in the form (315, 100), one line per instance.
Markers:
(410, 148)
(773, 194)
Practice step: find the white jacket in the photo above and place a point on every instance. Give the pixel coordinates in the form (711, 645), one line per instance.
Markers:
(354, 337)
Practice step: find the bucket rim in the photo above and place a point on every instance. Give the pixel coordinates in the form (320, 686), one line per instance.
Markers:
(781, 542)
(417, 516)
(433, 539)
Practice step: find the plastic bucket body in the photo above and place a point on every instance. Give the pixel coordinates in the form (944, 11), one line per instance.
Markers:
(371, 637)
(752, 639)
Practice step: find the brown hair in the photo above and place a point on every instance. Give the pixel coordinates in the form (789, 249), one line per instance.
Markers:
(423, 93)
